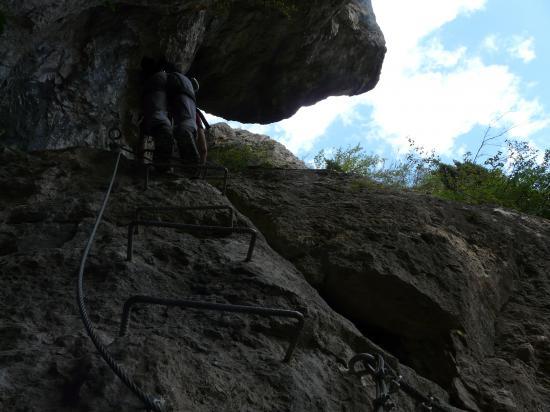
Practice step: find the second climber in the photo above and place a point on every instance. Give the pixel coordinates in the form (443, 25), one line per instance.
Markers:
(183, 110)
(170, 112)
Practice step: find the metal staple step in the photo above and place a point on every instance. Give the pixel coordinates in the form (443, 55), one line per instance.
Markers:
(219, 307)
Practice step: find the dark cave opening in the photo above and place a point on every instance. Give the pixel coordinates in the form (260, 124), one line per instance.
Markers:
(429, 354)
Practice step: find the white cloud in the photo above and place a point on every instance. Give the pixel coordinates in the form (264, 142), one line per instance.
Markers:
(527, 118)
(490, 43)
(251, 127)
(522, 48)
(435, 56)
(213, 119)
(434, 108)
(518, 47)
(405, 22)
(300, 131)
(426, 91)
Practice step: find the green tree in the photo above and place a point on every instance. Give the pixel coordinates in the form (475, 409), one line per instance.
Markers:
(349, 160)
(517, 177)
(406, 173)
(514, 178)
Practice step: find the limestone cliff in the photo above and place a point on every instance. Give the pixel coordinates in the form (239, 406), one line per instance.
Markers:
(455, 297)
(195, 360)
(69, 70)
(459, 293)
(240, 149)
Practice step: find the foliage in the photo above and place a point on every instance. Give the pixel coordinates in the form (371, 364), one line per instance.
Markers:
(417, 164)
(363, 182)
(464, 181)
(349, 160)
(517, 177)
(238, 157)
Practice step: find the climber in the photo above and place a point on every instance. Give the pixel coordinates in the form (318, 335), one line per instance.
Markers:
(183, 109)
(156, 121)
(169, 110)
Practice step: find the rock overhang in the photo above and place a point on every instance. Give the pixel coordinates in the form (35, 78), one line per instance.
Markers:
(285, 62)
(70, 70)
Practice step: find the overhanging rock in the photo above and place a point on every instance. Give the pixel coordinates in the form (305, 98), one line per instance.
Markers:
(70, 70)
(261, 67)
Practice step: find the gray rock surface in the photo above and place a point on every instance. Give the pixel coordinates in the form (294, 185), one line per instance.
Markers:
(198, 361)
(459, 293)
(324, 48)
(255, 149)
(69, 70)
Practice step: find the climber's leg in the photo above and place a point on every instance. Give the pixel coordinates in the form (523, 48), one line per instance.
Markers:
(162, 135)
(187, 145)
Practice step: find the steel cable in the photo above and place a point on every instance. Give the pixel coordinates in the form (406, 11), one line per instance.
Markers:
(386, 374)
(152, 403)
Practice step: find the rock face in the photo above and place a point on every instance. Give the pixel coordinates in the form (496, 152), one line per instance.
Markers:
(459, 293)
(197, 361)
(69, 70)
(248, 149)
(323, 48)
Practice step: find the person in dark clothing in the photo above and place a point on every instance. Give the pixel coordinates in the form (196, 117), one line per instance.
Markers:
(183, 108)
(169, 111)
(156, 120)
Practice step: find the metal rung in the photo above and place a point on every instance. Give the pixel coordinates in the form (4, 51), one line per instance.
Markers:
(197, 228)
(219, 307)
(139, 210)
(203, 168)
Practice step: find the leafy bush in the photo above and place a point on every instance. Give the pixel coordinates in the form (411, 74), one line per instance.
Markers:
(516, 178)
(407, 173)
(349, 160)
(464, 181)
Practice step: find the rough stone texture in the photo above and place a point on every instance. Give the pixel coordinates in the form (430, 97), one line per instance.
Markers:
(459, 293)
(197, 361)
(325, 48)
(222, 138)
(69, 70)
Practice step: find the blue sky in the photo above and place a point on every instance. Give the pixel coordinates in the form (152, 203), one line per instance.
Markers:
(453, 68)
